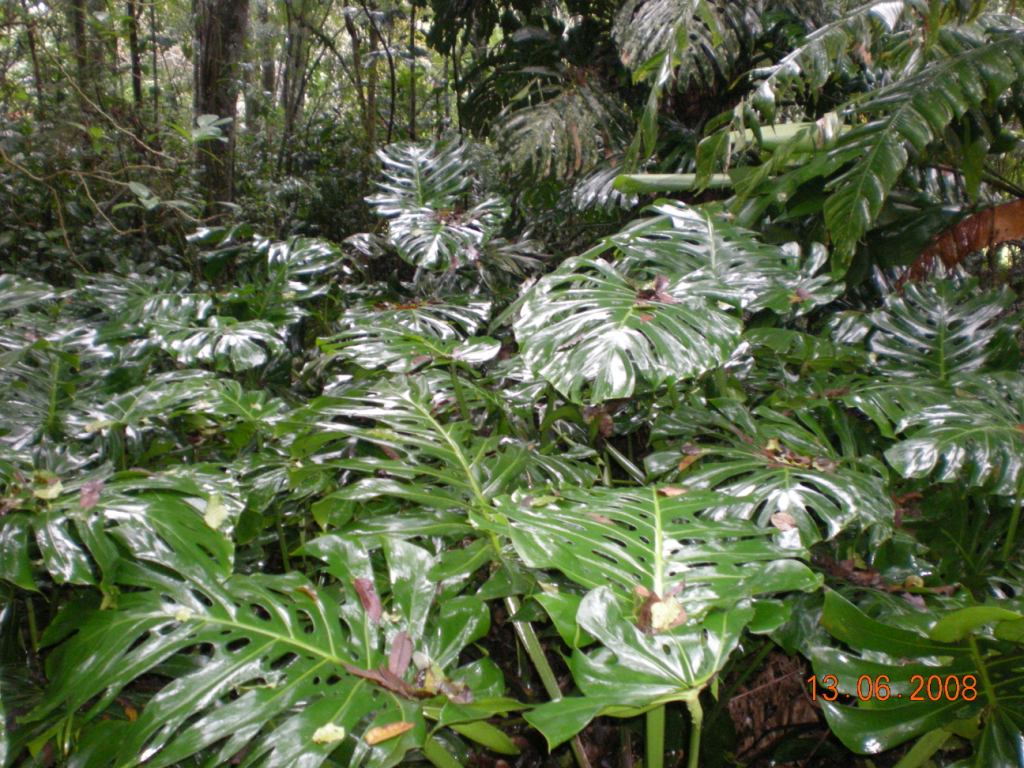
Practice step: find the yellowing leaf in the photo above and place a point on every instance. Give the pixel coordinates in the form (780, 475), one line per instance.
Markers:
(51, 490)
(216, 513)
(385, 732)
(328, 734)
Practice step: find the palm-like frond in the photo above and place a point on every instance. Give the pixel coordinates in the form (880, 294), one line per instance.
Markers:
(965, 75)
(564, 135)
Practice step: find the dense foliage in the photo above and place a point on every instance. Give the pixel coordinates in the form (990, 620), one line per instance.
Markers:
(663, 404)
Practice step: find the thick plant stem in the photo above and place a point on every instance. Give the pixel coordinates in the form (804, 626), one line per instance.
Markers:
(696, 724)
(524, 630)
(654, 746)
(1011, 532)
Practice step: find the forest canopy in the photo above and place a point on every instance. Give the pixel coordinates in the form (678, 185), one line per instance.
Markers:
(535, 383)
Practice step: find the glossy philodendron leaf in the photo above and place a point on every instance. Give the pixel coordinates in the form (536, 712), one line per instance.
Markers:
(303, 265)
(670, 592)
(703, 252)
(191, 515)
(931, 683)
(271, 670)
(17, 293)
(403, 337)
(655, 540)
(588, 326)
(225, 343)
(977, 437)
(421, 451)
(633, 669)
(938, 330)
(927, 344)
(774, 467)
(424, 199)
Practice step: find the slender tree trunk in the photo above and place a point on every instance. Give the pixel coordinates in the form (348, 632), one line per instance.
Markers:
(392, 80)
(293, 90)
(156, 77)
(76, 12)
(268, 68)
(37, 74)
(357, 77)
(377, 38)
(412, 73)
(447, 100)
(457, 51)
(371, 89)
(220, 39)
(135, 55)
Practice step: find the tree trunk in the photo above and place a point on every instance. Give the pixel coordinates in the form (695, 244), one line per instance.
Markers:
(76, 13)
(153, 63)
(37, 75)
(293, 77)
(220, 39)
(357, 78)
(412, 73)
(135, 55)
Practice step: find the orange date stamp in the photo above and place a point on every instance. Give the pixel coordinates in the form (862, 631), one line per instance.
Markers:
(879, 688)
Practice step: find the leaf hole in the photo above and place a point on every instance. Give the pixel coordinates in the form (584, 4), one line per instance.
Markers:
(284, 660)
(259, 612)
(238, 644)
(306, 622)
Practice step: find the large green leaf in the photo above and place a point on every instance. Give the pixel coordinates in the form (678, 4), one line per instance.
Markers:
(977, 437)
(268, 670)
(771, 464)
(655, 540)
(402, 337)
(423, 199)
(225, 343)
(670, 592)
(589, 325)
(937, 330)
(18, 293)
(422, 453)
(704, 253)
